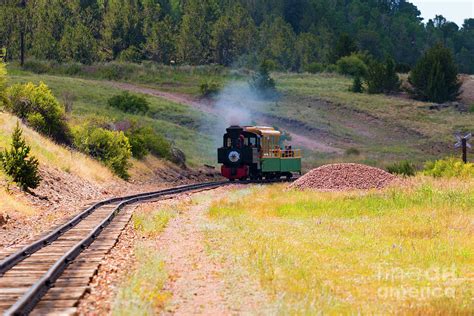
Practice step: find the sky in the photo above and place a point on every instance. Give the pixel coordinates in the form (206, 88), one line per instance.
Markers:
(453, 10)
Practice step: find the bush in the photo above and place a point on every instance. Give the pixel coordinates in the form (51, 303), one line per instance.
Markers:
(352, 152)
(382, 78)
(109, 147)
(449, 167)
(357, 85)
(314, 68)
(330, 68)
(131, 54)
(37, 106)
(209, 88)
(435, 76)
(144, 140)
(351, 65)
(129, 103)
(471, 108)
(404, 167)
(262, 82)
(37, 66)
(15, 162)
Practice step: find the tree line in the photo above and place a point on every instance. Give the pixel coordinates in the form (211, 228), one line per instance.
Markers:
(293, 34)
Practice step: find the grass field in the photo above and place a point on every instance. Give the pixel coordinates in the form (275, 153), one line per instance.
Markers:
(183, 126)
(48, 153)
(406, 249)
(382, 128)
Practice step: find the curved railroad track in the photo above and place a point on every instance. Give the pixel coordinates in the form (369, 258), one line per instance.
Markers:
(52, 273)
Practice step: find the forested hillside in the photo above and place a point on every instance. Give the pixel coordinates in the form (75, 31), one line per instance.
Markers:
(293, 34)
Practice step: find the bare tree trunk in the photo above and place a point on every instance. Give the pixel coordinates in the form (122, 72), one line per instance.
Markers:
(22, 33)
(22, 48)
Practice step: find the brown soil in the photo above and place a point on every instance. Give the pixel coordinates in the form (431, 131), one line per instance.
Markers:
(344, 176)
(62, 195)
(196, 281)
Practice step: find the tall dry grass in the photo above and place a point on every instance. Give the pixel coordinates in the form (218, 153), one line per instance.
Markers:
(54, 155)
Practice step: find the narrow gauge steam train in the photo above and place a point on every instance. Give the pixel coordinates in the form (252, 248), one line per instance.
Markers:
(253, 152)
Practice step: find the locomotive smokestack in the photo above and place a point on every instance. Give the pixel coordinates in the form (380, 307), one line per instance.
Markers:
(234, 132)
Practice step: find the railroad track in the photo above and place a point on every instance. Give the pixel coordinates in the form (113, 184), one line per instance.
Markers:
(52, 273)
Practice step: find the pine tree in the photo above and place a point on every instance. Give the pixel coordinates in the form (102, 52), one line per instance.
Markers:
(15, 162)
(262, 83)
(345, 46)
(195, 33)
(435, 76)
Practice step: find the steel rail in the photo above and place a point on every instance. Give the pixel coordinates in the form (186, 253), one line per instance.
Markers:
(28, 301)
(12, 260)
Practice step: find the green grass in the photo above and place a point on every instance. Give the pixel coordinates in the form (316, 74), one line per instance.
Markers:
(409, 114)
(184, 79)
(353, 252)
(142, 292)
(183, 126)
(385, 129)
(152, 222)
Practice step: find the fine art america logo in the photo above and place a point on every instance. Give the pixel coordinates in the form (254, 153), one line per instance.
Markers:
(432, 283)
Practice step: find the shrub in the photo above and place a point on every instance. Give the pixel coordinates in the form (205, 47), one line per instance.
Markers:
(129, 103)
(352, 152)
(404, 167)
(158, 145)
(435, 76)
(109, 147)
(382, 78)
(37, 66)
(357, 85)
(144, 140)
(38, 107)
(471, 108)
(351, 65)
(314, 68)
(330, 68)
(131, 54)
(449, 167)
(15, 162)
(209, 88)
(262, 82)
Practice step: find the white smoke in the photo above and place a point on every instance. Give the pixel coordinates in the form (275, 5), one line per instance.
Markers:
(232, 104)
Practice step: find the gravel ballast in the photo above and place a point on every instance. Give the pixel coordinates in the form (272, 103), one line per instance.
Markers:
(344, 176)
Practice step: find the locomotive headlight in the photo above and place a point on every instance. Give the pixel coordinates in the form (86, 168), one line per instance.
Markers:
(234, 156)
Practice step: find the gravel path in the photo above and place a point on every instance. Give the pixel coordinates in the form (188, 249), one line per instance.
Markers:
(198, 282)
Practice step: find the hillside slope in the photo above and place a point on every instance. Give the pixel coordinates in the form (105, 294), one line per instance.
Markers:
(69, 181)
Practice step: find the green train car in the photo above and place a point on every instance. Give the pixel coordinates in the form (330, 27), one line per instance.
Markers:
(254, 152)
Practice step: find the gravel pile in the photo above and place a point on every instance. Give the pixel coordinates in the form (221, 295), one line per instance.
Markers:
(344, 176)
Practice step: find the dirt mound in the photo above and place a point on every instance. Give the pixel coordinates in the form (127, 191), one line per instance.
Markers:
(344, 176)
